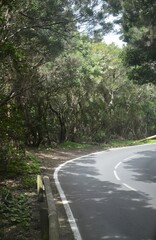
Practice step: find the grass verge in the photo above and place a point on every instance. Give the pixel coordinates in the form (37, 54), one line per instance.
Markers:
(123, 143)
(111, 144)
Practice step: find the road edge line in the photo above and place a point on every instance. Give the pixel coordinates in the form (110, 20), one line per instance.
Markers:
(69, 213)
(68, 210)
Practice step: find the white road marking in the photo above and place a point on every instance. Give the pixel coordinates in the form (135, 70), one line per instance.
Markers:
(117, 177)
(129, 158)
(133, 189)
(71, 219)
(117, 165)
(70, 216)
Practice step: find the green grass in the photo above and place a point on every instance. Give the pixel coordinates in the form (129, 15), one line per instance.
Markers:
(112, 144)
(122, 143)
(150, 141)
(118, 143)
(28, 165)
(29, 181)
(20, 166)
(31, 169)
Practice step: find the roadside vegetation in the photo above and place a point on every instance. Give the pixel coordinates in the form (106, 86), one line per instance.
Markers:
(59, 87)
(17, 198)
(111, 144)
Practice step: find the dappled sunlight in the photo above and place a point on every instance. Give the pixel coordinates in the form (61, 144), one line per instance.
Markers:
(45, 155)
(114, 237)
(143, 167)
(113, 211)
(57, 154)
(11, 183)
(59, 202)
(46, 168)
(30, 194)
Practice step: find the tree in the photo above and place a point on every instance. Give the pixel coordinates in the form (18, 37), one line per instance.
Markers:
(93, 99)
(138, 23)
(31, 33)
(85, 95)
(59, 85)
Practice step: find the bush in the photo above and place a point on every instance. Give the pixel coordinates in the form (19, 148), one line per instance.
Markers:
(100, 137)
(11, 153)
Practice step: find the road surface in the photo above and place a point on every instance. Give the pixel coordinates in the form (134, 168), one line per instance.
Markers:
(111, 194)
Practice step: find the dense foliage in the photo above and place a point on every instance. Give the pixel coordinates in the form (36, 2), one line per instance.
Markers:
(32, 32)
(138, 22)
(93, 100)
(58, 85)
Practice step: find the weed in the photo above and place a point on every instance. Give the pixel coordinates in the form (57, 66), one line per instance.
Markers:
(14, 209)
(29, 165)
(29, 181)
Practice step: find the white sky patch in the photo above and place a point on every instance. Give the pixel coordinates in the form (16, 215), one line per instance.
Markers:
(113, 38)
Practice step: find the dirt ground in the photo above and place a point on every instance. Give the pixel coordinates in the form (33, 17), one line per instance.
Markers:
(50, 160)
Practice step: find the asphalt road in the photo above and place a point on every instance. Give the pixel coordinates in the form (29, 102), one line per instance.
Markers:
(112, 194)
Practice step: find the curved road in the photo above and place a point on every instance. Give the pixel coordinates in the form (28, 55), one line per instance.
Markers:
(111, 194)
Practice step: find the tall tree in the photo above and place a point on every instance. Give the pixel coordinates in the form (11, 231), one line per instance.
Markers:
(32, 32)
(138, 22)
(93, 98)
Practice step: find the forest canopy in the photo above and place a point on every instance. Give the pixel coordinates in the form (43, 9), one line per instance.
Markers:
(58, 84)
(138, 23)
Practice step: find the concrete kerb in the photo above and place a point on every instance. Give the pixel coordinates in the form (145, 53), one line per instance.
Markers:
(50, 228)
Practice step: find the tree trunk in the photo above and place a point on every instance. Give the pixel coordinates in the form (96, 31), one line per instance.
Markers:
(62, 130)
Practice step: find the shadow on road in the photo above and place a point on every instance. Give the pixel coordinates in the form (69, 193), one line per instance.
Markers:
(103, 209)
(144, 166)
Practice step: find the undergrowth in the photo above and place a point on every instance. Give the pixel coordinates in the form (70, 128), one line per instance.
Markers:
(14, 209)
(15, 203)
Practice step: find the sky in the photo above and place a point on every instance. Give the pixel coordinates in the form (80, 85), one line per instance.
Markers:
(113, 38)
